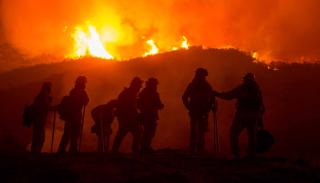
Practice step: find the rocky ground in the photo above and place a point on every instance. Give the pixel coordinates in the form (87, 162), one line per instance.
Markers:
(163, 166)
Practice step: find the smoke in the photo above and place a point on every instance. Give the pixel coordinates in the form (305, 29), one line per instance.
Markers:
(286, 29)
(1, 28)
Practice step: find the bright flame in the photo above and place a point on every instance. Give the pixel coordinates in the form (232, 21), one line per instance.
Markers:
(153, 48)
(184, 44)
(255, 55)
(89, 43)
(175, 48)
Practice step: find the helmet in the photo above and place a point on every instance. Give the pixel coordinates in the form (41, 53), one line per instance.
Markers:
(46, 85)
(201, 72)
(81, 80)
(152, 81)
(249, 76)
(136, 81)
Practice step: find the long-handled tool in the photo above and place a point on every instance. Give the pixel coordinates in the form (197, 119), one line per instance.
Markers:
(108, 140)
(102, 139)
(216, 146)
(53, 130)
(81, 128)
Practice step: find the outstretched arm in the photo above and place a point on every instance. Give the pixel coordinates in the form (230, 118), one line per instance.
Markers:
(229, 95)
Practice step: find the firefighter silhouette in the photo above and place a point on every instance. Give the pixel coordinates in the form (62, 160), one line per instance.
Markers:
(250, 109)
(72, 112)
(103, 116)
(149, 104)
(40, 109)
(198, 99)
(128, 116)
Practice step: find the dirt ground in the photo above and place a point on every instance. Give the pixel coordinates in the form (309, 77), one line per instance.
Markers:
(162, 166)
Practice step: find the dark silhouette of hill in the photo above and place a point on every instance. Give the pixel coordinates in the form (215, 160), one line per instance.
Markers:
(291, 96)
(11, 58)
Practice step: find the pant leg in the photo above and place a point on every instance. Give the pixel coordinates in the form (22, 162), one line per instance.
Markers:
(252, 123)
(193, 132)
(136, 134)
(99, 132)
(36, 135)
(202, 129)
(99, 149)
(193, 135)
(144, 143)
(103, 139)
(235, 131)
(148, 134)
(42, 138)
(251, 130)
(75, 135)
(65, 137)
(121, 133)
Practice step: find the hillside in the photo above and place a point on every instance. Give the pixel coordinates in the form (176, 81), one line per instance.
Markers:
(290, 93)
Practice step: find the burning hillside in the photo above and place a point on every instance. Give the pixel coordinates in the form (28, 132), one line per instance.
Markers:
(275, 30)
(92, 43)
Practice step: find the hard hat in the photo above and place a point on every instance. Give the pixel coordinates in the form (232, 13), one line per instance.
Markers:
(249, 76)
(46, 85)
(201, 72)
(152, 81)
(136, 81)
(81, 80)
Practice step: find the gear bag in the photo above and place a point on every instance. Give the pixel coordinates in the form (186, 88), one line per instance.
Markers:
(64, 108)
(264, 141)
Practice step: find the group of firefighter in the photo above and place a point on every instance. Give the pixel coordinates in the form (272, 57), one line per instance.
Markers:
(136, 110)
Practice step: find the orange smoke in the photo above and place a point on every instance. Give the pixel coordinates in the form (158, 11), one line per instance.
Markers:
(275, 29)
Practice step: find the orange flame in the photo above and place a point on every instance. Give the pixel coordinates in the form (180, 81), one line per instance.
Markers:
(184, 44)
(88, 43)
(153, 48)
(255, 55)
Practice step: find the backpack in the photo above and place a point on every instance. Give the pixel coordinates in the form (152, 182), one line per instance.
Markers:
(28, 115)
(64, 108)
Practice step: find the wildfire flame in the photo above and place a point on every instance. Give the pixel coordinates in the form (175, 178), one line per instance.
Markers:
(184, 44)
(255, 55)
(89, 43)
(153, 48)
